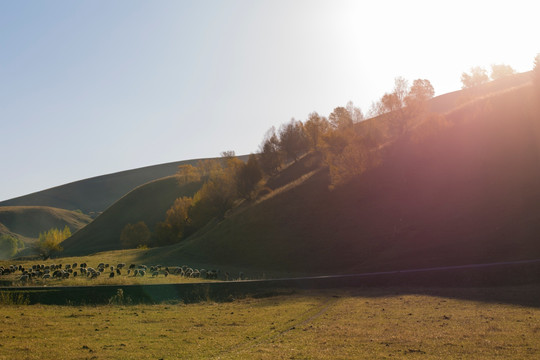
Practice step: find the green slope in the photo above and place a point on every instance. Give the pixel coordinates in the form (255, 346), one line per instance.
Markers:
(96, 194)
(26, 222)
(148, 203)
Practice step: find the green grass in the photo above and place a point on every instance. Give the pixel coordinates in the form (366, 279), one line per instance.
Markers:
(341, 324)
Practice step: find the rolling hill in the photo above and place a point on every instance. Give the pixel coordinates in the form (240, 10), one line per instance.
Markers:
(26, 222)
(94, 195)
(147, 203)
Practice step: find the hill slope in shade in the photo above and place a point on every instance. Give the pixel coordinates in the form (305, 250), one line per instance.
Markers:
(147, 203)
(469, 194)
(94, 195)
(26, 222)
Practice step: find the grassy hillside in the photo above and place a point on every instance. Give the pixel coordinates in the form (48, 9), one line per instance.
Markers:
(465, 194)
(26, 222)
(94, 195)
(468, 194)
(147, 203)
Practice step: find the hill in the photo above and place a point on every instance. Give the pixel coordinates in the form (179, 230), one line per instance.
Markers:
(468, 194)
(148, 203)
(94, 195)
(463, 193)
(26, 222)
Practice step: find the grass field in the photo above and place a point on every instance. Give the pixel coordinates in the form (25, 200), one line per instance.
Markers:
(340, 324)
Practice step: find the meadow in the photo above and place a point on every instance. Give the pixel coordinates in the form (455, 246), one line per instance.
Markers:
(381, 323)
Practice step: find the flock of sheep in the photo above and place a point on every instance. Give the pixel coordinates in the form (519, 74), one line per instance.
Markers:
(60, 271)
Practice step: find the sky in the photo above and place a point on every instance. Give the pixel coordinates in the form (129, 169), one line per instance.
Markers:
(93, 87)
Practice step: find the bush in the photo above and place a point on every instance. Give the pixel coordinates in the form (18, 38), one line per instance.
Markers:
(135, 235)
(9, 246)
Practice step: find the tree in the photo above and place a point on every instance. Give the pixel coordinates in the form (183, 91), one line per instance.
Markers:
(9, 246)
(292, 139)
(49, 242)
(315, 127)
(355, 112)
(177, 220)
(478, 76)
(393, 105)
(230, 162)
(269, 154)
(499, 71)
(135, 235)
(421, 91)
(340, 118)
(216, 196)
(376, 109)
(248, 176)
(209, 168)
(187, 173)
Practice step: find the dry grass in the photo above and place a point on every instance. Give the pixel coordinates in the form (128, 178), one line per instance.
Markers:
(345, 324)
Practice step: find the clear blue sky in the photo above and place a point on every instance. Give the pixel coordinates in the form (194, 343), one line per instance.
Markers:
(93, 87)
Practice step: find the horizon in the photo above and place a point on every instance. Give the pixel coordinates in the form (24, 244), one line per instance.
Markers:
(88, 92)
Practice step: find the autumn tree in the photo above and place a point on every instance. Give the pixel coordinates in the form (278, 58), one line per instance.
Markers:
(135, 235)
(340, 118)
(187, 173)
(478, 76)
(176, 223)
(292, 139)
(230, 163)
(392, 105)
(498, 71)
(248, 176)
(269, 153)
(315, 127)
(354, 112)
(216, 196)
(421, 91)
(209, 168)
(49, 241)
